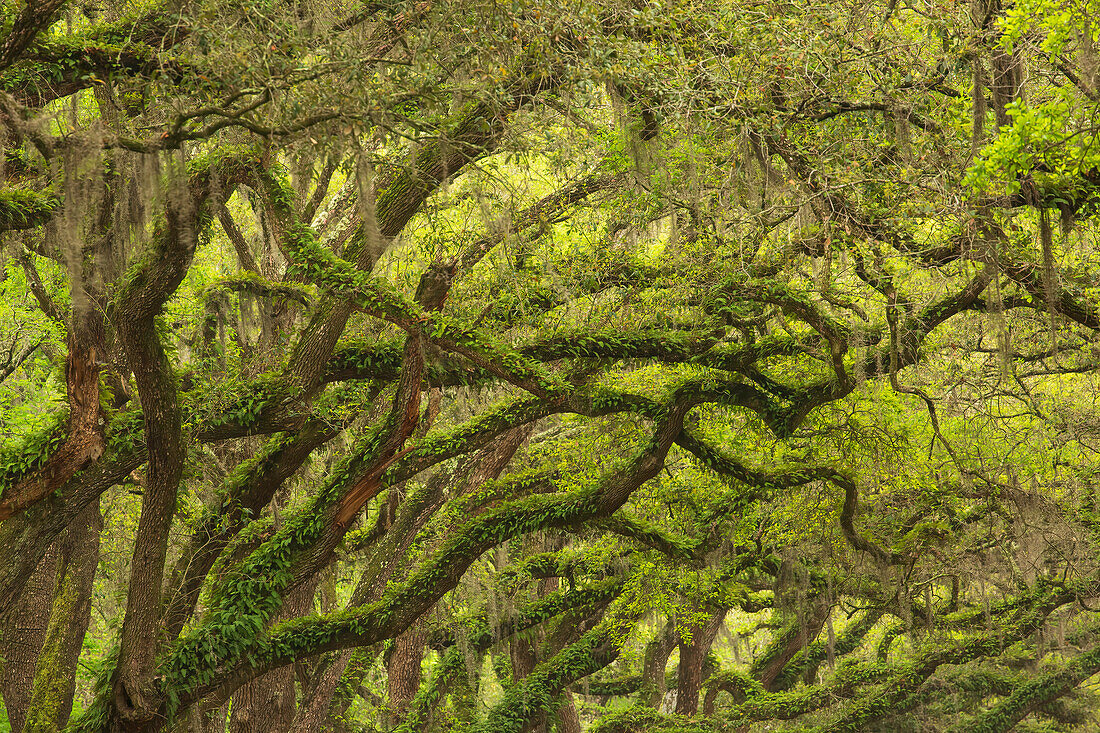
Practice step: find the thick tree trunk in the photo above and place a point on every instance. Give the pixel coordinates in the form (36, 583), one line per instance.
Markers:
(692, 655)
(46, 631)
(55, 676)
(403, 669)
(24, 632)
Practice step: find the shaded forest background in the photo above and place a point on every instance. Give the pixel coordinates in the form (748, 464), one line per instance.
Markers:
(694, 365)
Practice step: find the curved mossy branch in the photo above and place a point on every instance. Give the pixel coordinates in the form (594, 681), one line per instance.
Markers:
(247, 490)
(216, 297)
(643, 720)
(596, 594)
(382, 361)
(806, 663)
(914, 331)
(725, 465)
(211, 658)
(1034, 693)
(253, 284)
(379, 360)
(714, 459)
(22, 209)
(897, 694)
(1070, 302)
(540, 690)
(759, 705)
(26, 536)
(561, 564)
(794, 636)
(682, 549)
(130, 47)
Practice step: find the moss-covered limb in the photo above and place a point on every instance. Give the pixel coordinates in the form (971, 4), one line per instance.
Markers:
(539, 611)
(360, 361)
(60, 65)
(1032, 694)
(16, 357)
(683, 549)
(378, 298)
(213, 656)
(806, 662)
(757, 705)
(799, 630)
(1068, 301)
(797, 304)
(155, 274)
(156, 384)
(799, 403)
(62, 68)
(253, 284)
(1029, 606)
(247, 490)
(561, 564)
(618, 687)
(25, 537)
(848, 511)
(22, 209)
(217, 300)
(961, 690)
(34, 281)
(539, 690)
(474, 434)
(642, 720)
(738, 684)
(716, 460)
(899, 689)
(663, 345)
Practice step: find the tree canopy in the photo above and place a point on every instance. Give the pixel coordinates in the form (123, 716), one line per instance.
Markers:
(693, 365)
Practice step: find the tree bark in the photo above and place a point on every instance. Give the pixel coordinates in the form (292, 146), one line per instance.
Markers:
(24, 632)
(652, 688)
(692, 655)
(45, 632)
(403, 669)
(55, 675)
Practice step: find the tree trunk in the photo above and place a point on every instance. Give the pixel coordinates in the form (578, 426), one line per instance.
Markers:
(45, 632)
(652, 688)
(24, 633)
(55, 674)
(403, 669)
(692, 655)
(568, 720)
